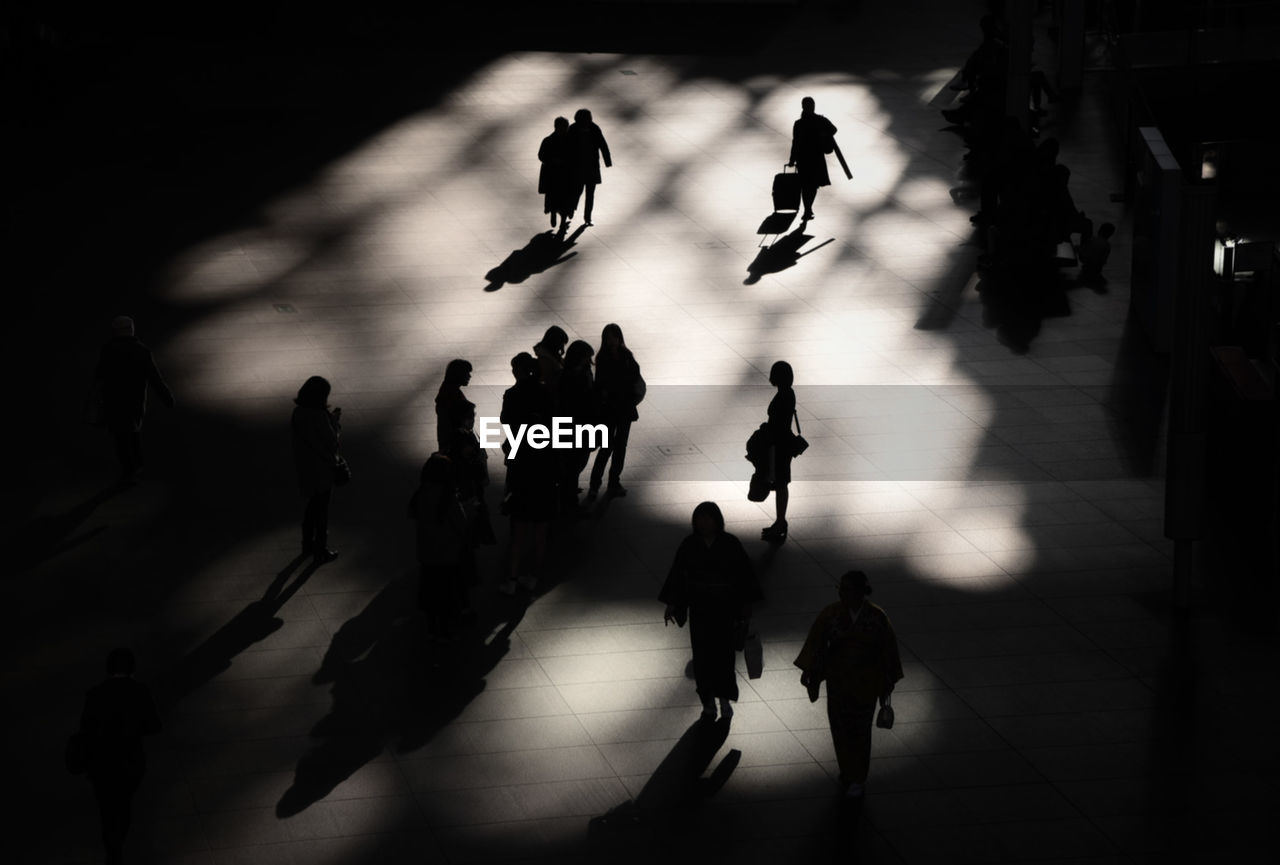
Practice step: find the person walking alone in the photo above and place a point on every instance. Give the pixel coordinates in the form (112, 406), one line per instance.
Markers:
(118, 712)
(812, 138)
(712, 584)
(851, 646)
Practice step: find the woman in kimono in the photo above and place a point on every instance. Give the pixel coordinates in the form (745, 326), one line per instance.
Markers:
(852, 646)
(713, 584)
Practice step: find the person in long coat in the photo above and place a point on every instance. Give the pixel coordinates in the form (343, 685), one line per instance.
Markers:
(618, 389)
(812, 138)
(531, 498)
(316, 430)
(586, 147)
(851, 646)
(576, 399)
(125, 372)
(553, 175)
(118, 712)
(711, 582)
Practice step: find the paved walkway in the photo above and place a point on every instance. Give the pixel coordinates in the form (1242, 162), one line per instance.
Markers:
(1006, 503)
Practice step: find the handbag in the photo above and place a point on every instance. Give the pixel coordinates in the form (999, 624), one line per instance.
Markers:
(640, 389)
(799, 444)
(884, 719)
(758, 488)
(341, 473)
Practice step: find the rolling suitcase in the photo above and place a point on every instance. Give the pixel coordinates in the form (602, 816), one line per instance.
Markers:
(786, 190)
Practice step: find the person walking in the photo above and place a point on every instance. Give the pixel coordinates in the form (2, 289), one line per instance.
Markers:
(586, 147)
(316, 429)
(451, 402)
(712, 584)
(851, 646)
(118, 400)
(620, 388)
(553, 175)
(782, 408)
(117, 713)
(812, 138)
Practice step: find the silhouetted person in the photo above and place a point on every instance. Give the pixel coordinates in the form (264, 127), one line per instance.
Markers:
(550, 354)
(586, 147)
(618, 385)
(125, 370)
(812, 138)
(851, 646)
(473, 475)
(712, 582)
(553, 177)
(576, 399)
(1094, 252)
(118, 712)
(450, 401)
(531, 499)
(446, 553)
(316, 429)
(782, 409)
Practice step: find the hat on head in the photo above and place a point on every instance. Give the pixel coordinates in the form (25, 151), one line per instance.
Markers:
(122, 325)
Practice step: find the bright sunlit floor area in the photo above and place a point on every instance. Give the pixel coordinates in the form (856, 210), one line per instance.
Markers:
(1007, 527)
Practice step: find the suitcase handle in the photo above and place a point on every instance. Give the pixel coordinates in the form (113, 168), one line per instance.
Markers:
(789, 165)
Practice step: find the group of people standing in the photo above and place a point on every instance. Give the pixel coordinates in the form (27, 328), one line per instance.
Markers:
(570, 170)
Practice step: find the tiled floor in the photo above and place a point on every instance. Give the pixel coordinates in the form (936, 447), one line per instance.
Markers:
(1002, 502)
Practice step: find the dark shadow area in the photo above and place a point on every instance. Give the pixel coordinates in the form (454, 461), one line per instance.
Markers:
(46, 536)
(1136, 400)
(391, 687)
(543, 252)
(1016, 308)
(251, 625)
(784, 253)
(667, 806)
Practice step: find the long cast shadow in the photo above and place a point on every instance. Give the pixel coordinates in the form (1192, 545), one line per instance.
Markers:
(782, 254)
(543, 252)
(667, 805)
(253, 624)
(49, 535)
(389, 686)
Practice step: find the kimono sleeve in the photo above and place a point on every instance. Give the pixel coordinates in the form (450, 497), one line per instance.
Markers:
(807, 660)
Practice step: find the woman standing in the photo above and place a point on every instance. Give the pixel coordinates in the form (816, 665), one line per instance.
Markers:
(531, 477)
(550, 354)
(316, 429)
(852, 646)
(712, 583)
(782, 409)
(620, 389)
(577, 399)
(451, 403)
